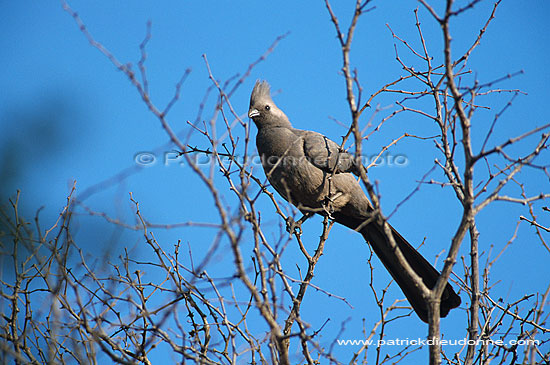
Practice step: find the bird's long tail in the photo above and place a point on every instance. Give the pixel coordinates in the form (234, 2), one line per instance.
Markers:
(374, 234)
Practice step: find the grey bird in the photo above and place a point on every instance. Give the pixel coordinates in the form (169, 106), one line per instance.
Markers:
(311, 172)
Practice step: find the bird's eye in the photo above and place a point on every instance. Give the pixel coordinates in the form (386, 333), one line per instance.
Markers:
(267, 107)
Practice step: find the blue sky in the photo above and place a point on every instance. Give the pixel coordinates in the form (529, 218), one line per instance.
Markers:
(67, 114)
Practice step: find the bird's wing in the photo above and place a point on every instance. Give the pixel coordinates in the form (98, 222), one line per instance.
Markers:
(326, 154)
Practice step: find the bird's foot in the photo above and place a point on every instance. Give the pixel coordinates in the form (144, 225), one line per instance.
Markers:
(328, 211)
(293, 227)
(328, 206)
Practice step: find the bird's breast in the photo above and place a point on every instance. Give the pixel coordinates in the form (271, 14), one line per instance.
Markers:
(288, 169)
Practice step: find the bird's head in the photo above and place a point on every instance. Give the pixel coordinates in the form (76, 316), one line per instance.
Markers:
(263, 110)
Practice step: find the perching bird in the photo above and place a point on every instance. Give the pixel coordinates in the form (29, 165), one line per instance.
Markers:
(311, 172)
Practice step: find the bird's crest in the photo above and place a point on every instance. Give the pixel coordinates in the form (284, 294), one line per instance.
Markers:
(261, 91)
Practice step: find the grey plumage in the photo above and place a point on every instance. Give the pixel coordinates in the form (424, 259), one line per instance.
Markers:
(311, 172)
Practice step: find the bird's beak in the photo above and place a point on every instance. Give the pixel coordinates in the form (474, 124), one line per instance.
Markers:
(253, 113)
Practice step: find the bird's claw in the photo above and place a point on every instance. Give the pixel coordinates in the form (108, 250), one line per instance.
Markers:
(328, 211)
(293, 227)
(328, 207)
